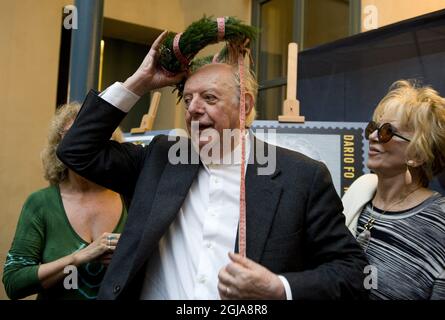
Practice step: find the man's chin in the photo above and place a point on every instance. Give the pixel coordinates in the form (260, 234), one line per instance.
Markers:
(207, 144)
(202, 144)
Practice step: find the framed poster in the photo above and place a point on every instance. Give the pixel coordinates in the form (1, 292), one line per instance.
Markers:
(341, 146)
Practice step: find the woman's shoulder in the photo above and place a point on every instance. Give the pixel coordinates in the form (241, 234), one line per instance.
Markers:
(43, 193)
(41, 197)
(433, 209)
(366, 180)
(439, 201)
(366, 183)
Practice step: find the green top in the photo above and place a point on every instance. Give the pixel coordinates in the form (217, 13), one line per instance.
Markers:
(44, 234)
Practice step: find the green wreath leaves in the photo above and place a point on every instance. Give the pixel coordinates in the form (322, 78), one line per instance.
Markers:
(197, 36)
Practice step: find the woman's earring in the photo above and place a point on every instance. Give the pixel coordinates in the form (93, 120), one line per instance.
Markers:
(408, 176)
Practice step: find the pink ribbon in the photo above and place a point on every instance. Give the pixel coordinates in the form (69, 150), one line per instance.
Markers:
(221, 23)
(221, 28)
(184, 61)
(215, 58)
(242, 200)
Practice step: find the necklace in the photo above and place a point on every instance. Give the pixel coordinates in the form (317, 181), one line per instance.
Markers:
(365, 236)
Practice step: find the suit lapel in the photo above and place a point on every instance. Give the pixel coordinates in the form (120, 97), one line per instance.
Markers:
(262, 198)
(172, 190)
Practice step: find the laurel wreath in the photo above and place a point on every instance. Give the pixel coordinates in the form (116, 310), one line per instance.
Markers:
(196, 37)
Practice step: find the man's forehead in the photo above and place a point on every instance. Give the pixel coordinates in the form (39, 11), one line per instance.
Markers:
(216, 67)
(212, 74)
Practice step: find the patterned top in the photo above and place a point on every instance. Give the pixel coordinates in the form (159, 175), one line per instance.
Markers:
(44, 234)
(407, 251)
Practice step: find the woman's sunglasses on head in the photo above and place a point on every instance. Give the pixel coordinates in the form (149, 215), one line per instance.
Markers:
(384, 133)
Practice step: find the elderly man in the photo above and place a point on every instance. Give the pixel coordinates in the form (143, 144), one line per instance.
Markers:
(180, 237)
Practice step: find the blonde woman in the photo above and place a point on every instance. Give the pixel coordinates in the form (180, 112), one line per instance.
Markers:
(72, 223)
(399, 222)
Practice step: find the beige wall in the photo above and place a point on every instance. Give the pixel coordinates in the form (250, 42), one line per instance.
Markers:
(153, 13)
(29, 49)
(390, 11)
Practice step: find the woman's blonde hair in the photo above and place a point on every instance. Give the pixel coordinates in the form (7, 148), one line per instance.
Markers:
(422, 111)
(54, 171)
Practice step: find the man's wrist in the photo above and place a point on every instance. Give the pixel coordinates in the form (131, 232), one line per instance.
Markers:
(120, 97)
(286, 286)
(279, 290)
(136, 85)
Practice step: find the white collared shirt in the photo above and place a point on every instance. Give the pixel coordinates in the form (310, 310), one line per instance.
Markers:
(196, 245)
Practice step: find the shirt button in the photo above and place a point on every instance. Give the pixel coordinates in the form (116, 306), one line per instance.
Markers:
(202, 279)
(209, 245)
(116, 289)
(216, 180)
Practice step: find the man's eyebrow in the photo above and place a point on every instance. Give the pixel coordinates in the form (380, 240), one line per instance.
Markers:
(212, 90)
(208, 90)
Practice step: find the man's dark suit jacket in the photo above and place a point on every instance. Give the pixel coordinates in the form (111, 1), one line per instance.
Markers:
(295, 225)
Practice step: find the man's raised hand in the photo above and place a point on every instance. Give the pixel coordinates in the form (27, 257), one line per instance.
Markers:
(150, 75)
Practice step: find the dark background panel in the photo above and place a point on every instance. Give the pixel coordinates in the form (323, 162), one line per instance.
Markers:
(344, 80)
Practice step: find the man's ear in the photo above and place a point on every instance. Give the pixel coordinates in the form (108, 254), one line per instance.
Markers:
(249, 103)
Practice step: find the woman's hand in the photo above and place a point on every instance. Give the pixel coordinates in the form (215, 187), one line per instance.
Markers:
(102, 248)
(150, 75)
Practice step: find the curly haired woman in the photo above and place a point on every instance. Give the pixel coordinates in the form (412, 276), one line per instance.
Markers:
(72, 223)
